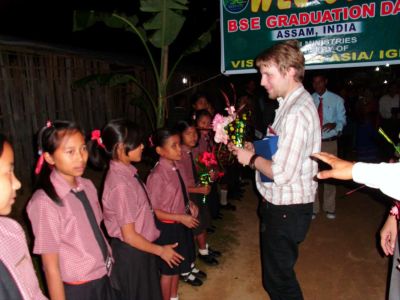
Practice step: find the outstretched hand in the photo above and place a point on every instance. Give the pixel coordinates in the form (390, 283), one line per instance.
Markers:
(341, 169)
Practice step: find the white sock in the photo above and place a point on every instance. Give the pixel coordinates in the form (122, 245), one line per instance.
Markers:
(207, 246)
(192, 265)
(174, 298)
(223, 197)
(203, 251)
(185, 274)
(195, 270)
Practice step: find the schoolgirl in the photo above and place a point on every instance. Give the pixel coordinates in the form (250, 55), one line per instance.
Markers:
(17, 276)
(128, 214)
(203, 122)
(189, 138)
(175, 212)
(65, 216)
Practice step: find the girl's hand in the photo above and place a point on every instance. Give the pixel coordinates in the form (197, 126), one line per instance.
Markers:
(213, 175)
(194, 210)
(389, 235)
(249, 147)
(204, 189)
(189, 221)
(170, 256)
(243, 155)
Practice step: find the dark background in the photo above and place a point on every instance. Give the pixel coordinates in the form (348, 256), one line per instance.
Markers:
(52, 21)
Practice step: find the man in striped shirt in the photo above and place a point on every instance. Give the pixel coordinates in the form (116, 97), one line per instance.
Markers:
(288, 200)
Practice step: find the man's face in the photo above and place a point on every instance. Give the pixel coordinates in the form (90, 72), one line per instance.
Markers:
(274, 81)
(319, 84)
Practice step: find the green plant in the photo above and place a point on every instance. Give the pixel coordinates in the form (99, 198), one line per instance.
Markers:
(160, 30)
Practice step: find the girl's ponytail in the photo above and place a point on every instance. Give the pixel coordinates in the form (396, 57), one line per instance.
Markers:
(103, 144)
(98, 154)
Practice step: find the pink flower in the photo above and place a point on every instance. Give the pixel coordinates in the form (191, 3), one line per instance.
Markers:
(395, 211)
(231, 111)
(219, 123)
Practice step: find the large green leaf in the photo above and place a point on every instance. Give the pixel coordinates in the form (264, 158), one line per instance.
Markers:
(202, 41)
(167, 21)
(86, 19)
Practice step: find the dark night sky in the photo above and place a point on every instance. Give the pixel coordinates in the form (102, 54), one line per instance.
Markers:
(51, 22)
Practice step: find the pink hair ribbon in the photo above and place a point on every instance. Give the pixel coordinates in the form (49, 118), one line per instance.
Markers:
(96, 135)
(40, 161)
(151, 141)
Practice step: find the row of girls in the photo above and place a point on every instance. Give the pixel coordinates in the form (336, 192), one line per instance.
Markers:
(150, 226)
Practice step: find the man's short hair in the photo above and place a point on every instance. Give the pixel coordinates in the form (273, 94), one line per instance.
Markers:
(284, 55)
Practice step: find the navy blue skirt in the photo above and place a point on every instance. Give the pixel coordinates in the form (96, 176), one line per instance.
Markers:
(170, 234)
(136, 272)
(204, 216)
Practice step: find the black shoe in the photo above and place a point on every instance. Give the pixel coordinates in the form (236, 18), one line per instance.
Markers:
(218, 217)
(214, 253)
(191, 279)
(210, 230)
(199, 274)
(208, 260)
(228, 207)
(243, 183)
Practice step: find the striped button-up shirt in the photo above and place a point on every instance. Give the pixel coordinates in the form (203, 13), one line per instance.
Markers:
(15, 256)
(66, 230)
(297, 125)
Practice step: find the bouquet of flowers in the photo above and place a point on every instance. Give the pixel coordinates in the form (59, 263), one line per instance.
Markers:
(231, 127)
(208, 169)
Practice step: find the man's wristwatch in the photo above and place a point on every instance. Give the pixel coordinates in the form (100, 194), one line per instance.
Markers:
(253, 161)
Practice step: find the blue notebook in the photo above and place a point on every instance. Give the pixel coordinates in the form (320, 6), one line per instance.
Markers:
(266, 148)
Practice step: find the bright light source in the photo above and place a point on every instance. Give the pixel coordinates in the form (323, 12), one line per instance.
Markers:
(184, 80)
(387, 65)
(385, 82)
(377, 69)
(350, 82)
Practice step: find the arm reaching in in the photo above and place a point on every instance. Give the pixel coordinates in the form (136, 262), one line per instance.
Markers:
(341, 169)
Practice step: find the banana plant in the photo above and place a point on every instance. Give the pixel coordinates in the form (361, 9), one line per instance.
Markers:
(160, 30)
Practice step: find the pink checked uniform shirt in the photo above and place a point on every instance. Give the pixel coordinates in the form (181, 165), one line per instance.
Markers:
(15, 256)
(185, 166)
(165, 189)
(66, 230)
(206, 143)
(125, 202)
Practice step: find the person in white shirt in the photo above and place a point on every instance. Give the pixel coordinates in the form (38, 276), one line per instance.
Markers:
(389, 101)
(332, 117)
(383, 176)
